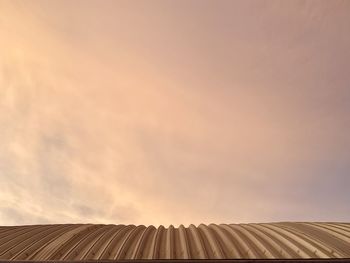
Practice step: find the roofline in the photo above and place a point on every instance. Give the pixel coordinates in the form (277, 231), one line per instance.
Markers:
(300, 260)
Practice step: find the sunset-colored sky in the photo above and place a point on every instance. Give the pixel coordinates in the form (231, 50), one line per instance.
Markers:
(174, 112)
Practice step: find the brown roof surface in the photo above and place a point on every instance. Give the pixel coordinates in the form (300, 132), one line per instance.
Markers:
(224, 241)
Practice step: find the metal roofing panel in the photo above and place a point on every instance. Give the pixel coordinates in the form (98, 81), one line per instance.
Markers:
(121, 242)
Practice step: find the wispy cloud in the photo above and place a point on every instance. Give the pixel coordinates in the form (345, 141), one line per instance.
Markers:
(174, 112)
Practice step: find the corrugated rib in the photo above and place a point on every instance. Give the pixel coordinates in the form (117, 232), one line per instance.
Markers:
(118, 242)
(101, 247)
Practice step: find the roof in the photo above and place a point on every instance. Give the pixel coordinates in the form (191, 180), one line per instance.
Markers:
(225, 241)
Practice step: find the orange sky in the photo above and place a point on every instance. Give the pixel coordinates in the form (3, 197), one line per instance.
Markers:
(170, 112)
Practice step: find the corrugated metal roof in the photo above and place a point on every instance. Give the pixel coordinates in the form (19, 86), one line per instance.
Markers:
(224, 241)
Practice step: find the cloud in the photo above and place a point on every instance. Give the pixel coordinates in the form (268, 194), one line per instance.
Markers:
(172, 115)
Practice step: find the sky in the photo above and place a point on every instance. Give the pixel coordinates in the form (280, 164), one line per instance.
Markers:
(174, 112)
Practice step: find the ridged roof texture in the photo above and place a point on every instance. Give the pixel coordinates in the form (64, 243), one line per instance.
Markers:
(91, 242)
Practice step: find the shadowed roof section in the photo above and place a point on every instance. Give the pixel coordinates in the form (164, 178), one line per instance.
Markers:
(73, 242)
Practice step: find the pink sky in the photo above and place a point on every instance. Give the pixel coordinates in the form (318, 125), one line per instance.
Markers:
(170, 112)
